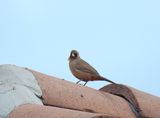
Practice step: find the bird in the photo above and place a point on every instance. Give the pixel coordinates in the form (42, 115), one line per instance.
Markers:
(83, 70)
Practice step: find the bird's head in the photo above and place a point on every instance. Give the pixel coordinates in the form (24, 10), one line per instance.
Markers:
(74, 55)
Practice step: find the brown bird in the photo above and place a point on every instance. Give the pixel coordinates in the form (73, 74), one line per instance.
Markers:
(82, 70)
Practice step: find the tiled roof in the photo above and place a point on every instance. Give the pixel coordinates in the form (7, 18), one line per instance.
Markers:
(64, 99)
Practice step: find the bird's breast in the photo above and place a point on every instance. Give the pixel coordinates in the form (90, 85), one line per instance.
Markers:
(80, 74)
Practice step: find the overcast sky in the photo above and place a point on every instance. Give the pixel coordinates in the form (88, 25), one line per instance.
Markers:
(120, 38)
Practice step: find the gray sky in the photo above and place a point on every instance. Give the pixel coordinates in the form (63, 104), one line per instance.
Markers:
(120, 38)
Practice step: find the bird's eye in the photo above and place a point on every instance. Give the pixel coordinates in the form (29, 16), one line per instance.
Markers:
(73, 55)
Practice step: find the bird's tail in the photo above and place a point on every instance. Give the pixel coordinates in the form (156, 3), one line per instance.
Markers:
(105, 79)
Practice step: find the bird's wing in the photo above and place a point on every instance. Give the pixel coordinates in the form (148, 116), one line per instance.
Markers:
(83, 66)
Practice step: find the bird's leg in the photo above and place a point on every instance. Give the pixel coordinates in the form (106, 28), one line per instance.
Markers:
(78, 82)
(85, 83)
